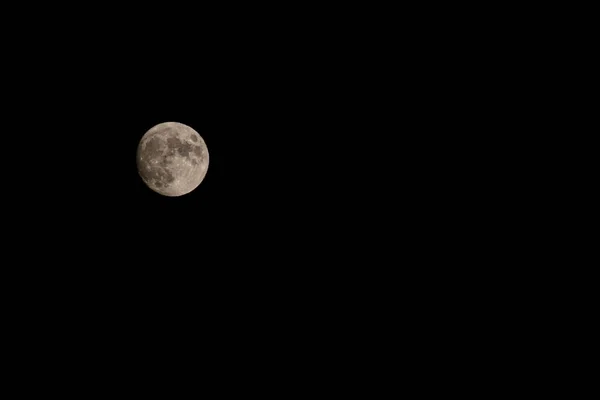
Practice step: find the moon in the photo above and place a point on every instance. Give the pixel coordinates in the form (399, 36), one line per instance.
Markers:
(172, 159)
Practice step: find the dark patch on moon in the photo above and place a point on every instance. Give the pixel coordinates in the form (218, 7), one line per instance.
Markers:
(167, 176)
(157, 174)
(194, 138)
(175, 144)
(153, 148)
(184, 149)
(198, 150)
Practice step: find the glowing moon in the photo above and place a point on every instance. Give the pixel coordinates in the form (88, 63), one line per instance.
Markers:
(172, 159)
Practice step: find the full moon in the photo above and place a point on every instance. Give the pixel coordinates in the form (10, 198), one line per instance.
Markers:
(172, 159)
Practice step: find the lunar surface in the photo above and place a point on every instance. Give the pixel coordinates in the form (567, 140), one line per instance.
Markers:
(172, 159)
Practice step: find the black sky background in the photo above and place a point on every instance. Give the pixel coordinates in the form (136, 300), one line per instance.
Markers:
(365, 178)
(336, 176)
(286, 198)
(320, 125)
(348, 190)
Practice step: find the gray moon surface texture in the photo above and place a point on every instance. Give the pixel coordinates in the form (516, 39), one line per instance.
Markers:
(172, 159)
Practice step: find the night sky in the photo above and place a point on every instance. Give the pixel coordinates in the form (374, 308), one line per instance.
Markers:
(348, 190)
(274, 106)
(278, 229)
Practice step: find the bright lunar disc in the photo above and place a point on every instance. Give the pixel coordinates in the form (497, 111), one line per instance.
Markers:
(172, 159)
